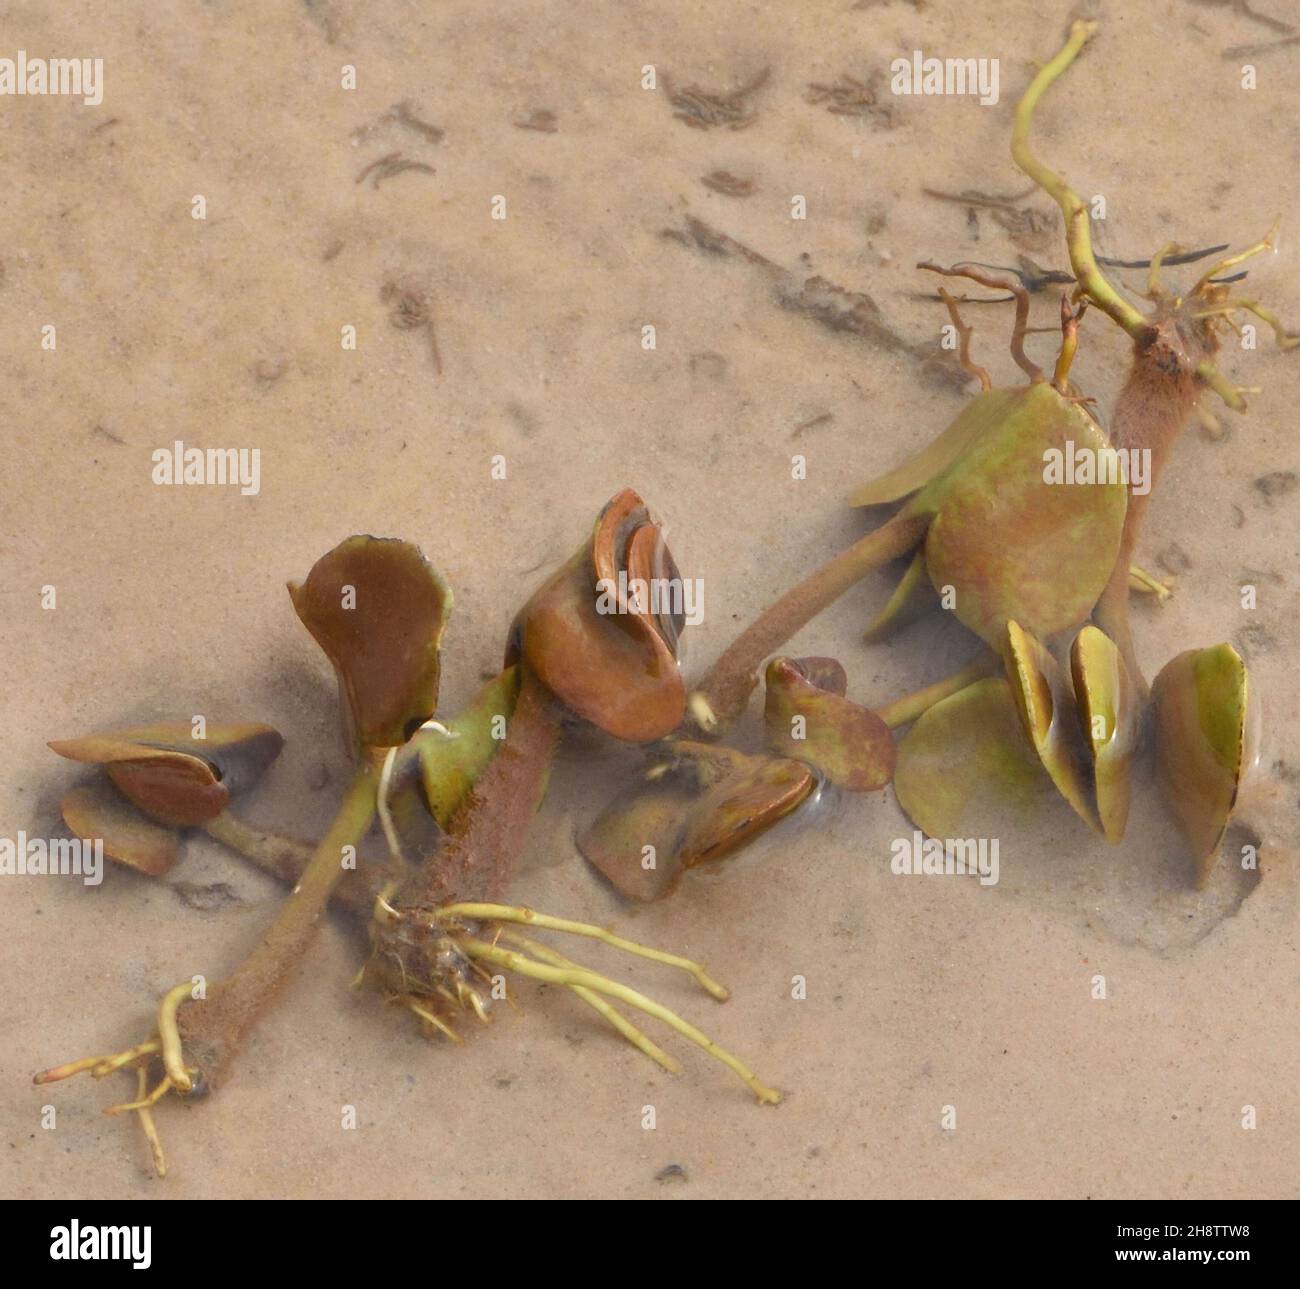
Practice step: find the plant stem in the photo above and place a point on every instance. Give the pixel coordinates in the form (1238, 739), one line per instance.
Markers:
(1152, 409)
(287, 859)
(904, 710)
(477, 859)
(212, 1028)
(722, 694)
(1078, 233)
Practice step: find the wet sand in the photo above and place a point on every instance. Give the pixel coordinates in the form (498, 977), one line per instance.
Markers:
(922, 993)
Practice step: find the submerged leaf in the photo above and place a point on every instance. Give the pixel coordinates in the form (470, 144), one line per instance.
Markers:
(172, 776)
(1108, 716)
(1207, 740)
(702, 802)
(846, 743)
(378, 608)
(912, 599)
(1047, 711)
(965, 764)
(97, 812)
(635, 842)
(744, 805)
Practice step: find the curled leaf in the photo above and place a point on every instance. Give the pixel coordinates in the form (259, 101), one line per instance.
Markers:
(595, 635)
(696, 804)
(1207, 729)
(173, 777)
(97, 812)
(1046, 706)
(1108, 717)
(378, 608)
(846, 743)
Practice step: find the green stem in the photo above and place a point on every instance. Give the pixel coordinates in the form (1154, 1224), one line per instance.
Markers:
(287, 858)
(213, 1028)
(1078, 233)
(722, 694)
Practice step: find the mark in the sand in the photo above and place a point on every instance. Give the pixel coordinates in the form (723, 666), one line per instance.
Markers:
(1028, 229)
(727, 184)
(106, 433)
(833, 306)
(819, 422)
(708, 365)
(388, 166)
(672, 1173)
(207, 899)
(703, 109)
(1275, 484)
(541, 119)
(849, 96)
(266, 372)
(411, 310)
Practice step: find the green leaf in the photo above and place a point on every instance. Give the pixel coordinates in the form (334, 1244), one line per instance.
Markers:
(451, 761)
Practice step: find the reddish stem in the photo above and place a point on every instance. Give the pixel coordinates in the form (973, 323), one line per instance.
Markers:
(729, 682)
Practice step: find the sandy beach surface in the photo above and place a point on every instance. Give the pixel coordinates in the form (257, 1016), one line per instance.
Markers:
(521, 338)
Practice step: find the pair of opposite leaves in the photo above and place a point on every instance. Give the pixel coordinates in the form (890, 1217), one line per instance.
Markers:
(1027, 560)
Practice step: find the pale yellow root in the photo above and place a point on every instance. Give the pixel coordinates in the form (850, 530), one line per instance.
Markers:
(147, 1124)
(140, 1056)
(514, 913)
(382, 808)
(1232, 395)
(1266, 243)
(144, 1102)
(169, 1034)
(99, 1065)
(437, 1022)
(150, 1047)
(1285, 339)
(593, 1000)
(571, 976)
(1155, 287)
(1148, 584)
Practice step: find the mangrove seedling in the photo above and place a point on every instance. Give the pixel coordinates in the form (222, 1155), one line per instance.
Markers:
(585, 648)
(438, 926)
(163, 779)
(377, 608)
